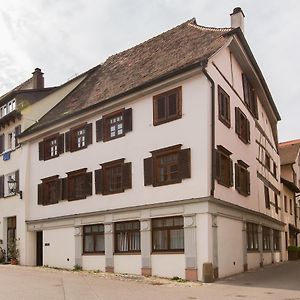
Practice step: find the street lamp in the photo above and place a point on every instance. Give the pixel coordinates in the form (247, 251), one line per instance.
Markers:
(12, 187)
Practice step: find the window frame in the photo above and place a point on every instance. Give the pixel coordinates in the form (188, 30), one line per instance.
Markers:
(47, 147)
(276, 203)
(242, 173)
(224, 103)
(276, 240)
(267, 161)
(252, 235)
(168, 230)
(250, 97)
(72, 137)
(267, 197)
(223, 156)
(128, 232)
(266, 239)
(242, 126)
(167, 117)
(106, 168)
(94, 235)
(106, 125)
(72, 179)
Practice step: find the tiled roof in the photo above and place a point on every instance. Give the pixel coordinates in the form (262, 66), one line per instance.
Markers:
(288, 151)
(172, 51)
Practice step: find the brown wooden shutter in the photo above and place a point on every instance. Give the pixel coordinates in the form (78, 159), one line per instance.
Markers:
(41, 151)
(248, 130)
(2, 186)
(127, 120)
(89, 133)
(148, 171)
(68, 140)
(40, 194)
(248, 182)
(58, 190)
(17, 133)
(2, 144)
(127, 176)
(231, 172)
(217, 164)
(184, 159)
(17, 179)
(64, 184)
(237, 121)
(89, 184)
(237, 177)
(61, 143)
(99, 130)
(98, 181)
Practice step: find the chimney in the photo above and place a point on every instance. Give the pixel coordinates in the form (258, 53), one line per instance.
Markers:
(38, 79)
(237, 18)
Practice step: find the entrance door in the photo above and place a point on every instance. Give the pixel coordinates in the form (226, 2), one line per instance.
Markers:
(39, 248)
(11, 236)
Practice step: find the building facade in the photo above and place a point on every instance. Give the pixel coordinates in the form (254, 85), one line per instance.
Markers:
(160, 160)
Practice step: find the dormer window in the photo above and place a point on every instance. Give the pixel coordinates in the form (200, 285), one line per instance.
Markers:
(7, 108)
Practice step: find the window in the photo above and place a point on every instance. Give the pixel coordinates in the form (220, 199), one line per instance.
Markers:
(51, 147)
(267, 198)
(114, 177)
(266, 237)
(291, 207)
(114, 125)
(276, 240)
(167, 106)
(224, 107)
(78, 185)
(50, 191)
(276, 203)
(79, 137)
(11, 140)
(242, 178)
(267, 161)
(168, 234)
(167, 166)
(252, 237)
(250, 97)
(224, 167)
(275, 170)
(93, 239)
(127, 237)
(285, 204)
(7, 191)
(242, 126)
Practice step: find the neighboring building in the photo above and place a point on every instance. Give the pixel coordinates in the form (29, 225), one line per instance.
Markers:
(19, 109)
(290, 178)
(162, 160)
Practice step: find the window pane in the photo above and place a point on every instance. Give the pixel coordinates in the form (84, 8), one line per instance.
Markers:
(161, 108)
(172, 104)
(176, 239)
(88, 243)
(160, 240)
(99, 243)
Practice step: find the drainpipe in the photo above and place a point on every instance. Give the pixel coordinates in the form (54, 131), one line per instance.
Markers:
(212, 191)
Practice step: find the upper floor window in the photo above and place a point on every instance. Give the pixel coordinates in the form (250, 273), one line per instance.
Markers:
(78, 185)
(167, 166)
(7, 108)
(127, 236)
(291, 207)
(50, 190)
(250, 97)
(224, 167)
(275, 170)
(242, 178)
(114, 125)
(276, 202)
(167, 106)
(267, 198)
(242, 126)
(51, 147)
(79, 137)
(168, 234)
(285, 204)
(5, 190)
(224, 106)
(93, 239)
(114, 177)
(267, 161)
(252, 236)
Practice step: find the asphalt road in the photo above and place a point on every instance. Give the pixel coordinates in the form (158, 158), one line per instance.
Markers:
(274, 282)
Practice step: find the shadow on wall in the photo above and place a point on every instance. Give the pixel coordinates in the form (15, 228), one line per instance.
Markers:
(279, 276)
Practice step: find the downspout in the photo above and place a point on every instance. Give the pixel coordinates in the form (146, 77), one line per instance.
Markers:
(212, 191)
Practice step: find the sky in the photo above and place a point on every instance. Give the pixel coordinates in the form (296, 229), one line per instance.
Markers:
(67, 37)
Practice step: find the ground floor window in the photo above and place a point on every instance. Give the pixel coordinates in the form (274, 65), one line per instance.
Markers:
(168, 234)
(127, 237)
(266, 238)
(93, 238)
(252, 236)
(276, 240)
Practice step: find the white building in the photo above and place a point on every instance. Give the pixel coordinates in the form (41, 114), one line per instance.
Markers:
(163, 161)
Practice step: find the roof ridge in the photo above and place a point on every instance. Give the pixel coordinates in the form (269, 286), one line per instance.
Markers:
(195, 25)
